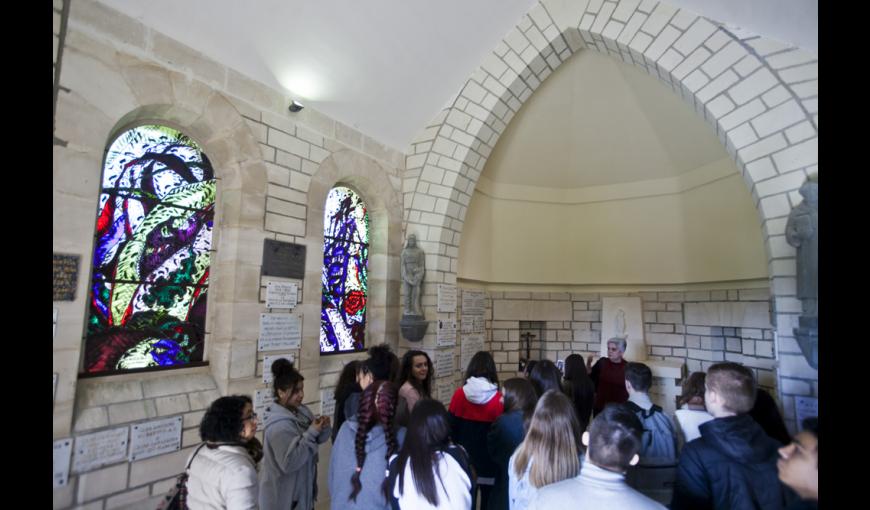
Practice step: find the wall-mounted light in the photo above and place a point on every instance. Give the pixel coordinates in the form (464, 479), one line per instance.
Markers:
(296, 106)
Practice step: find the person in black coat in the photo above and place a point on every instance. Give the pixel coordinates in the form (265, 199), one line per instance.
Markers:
(506, 433)
(733, 463)
(766, 414)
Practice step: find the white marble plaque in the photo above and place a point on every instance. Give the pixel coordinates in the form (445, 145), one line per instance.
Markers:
(267, 365)
(152, 438)
(622, 317)
(62, 453)
(446, 333)
(445, 392)
(281, 295)
(279, 332)
(472, 323)
(444, 363)
(471, 343)
(805, 407)
(447, 298)
(99, 449)
(262, 398)
(327, 402)
(473, 302)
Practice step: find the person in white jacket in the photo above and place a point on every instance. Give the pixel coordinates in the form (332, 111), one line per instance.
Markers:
(291, 440)
(222, 474)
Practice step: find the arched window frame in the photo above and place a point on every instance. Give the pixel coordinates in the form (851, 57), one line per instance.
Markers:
(344, 274)
(151, 259)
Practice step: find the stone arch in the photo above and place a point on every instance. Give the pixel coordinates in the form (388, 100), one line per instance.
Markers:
(758, 95)
(370, 179)
(118, 93)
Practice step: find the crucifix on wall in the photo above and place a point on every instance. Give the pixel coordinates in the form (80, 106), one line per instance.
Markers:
(527, 340)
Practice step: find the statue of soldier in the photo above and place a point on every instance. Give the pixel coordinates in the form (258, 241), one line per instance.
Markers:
(413, 268)
(802, 232)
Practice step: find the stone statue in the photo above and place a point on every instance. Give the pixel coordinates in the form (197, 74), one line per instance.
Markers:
(413, 269)
(802, 232)
(619, 324)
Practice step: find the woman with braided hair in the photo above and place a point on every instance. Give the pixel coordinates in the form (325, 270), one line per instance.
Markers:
(364, 444)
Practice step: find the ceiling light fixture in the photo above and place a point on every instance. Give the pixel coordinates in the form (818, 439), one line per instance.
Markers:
(296, 106)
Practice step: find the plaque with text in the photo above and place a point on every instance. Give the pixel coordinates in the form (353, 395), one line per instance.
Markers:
(447, 298)
(283, 259)
(279, 332)
(62, 453)
(327, 402)
(66, 276)
(156, 437)
(268, 376)
(444, 363)
(473, 302)
(470, 345)
(262, 398)
(446, 333)
(92, 451)
(281, 295)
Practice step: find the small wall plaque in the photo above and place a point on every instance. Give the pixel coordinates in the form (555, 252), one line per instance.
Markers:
(66, 275)
(282, 259)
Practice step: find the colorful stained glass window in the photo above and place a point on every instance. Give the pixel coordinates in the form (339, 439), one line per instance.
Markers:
(151, 253)
(344, 278)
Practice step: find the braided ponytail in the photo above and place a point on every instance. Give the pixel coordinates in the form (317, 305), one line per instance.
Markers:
(366, 418)
(386, 403)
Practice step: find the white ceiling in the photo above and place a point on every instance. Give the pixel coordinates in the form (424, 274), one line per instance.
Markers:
(387, 67)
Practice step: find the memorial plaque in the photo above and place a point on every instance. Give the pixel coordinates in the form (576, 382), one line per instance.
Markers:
(282, 259)
(95, 450)
(156, 437)
(473, 302)
(62, 453)
(444, 363)
(66, 275)
(281, 295)
(279, 332)
(472, 323)
(447, 298)
(268, 376)
(470, 345)
(445, 392)
(446, 333)
(262, 398)
(327, 402)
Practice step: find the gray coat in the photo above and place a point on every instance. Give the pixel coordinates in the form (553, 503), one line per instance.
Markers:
(342, 464)
(289, 467)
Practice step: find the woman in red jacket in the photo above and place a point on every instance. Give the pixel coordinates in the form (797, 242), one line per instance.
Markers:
(608, 374)
(472, 410)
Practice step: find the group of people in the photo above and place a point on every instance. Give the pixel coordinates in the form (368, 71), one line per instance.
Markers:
(549, 438)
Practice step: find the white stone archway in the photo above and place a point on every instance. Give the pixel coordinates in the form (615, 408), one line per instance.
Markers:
(758, 95)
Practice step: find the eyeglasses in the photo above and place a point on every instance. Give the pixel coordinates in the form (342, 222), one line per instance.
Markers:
(253, 416)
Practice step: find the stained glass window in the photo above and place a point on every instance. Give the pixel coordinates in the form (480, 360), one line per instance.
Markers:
(344, 278)
(151, 253)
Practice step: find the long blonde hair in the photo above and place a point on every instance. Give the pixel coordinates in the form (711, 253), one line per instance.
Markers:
(552, 441)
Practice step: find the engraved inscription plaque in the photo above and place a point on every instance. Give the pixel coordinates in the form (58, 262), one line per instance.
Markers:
(66, 276)
(282, 259)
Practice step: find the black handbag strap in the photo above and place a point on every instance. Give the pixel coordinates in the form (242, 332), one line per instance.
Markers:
(192, 457)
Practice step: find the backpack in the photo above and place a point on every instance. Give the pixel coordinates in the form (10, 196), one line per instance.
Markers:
(658, 442)
(456, 451)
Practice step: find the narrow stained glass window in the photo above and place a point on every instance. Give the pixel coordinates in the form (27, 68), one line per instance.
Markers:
(151, 253)
(344, 278)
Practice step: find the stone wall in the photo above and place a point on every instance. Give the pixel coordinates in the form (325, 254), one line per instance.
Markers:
(274, 169)
(697, 328)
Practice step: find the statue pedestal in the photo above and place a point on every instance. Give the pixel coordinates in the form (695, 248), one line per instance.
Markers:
(807, 336)
(413, 327)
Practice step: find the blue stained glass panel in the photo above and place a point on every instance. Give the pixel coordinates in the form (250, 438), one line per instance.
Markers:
(344, 279)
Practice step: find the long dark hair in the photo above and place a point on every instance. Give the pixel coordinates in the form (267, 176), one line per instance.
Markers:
(579, 388)
(425, 387)
(482, 365)
(287, 378)
(222, 421)
(545, 376)
(428, 433)
(346, 385)
(377, 406)
(519, 395)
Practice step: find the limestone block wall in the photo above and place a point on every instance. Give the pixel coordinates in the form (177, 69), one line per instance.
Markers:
(759, 96)
(274, 170)
(696, 328)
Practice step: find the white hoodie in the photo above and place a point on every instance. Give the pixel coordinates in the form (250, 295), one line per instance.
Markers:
(478, 390)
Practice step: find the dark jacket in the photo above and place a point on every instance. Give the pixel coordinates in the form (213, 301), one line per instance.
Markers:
(472, 410)
(505, 435)
(732, 465)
